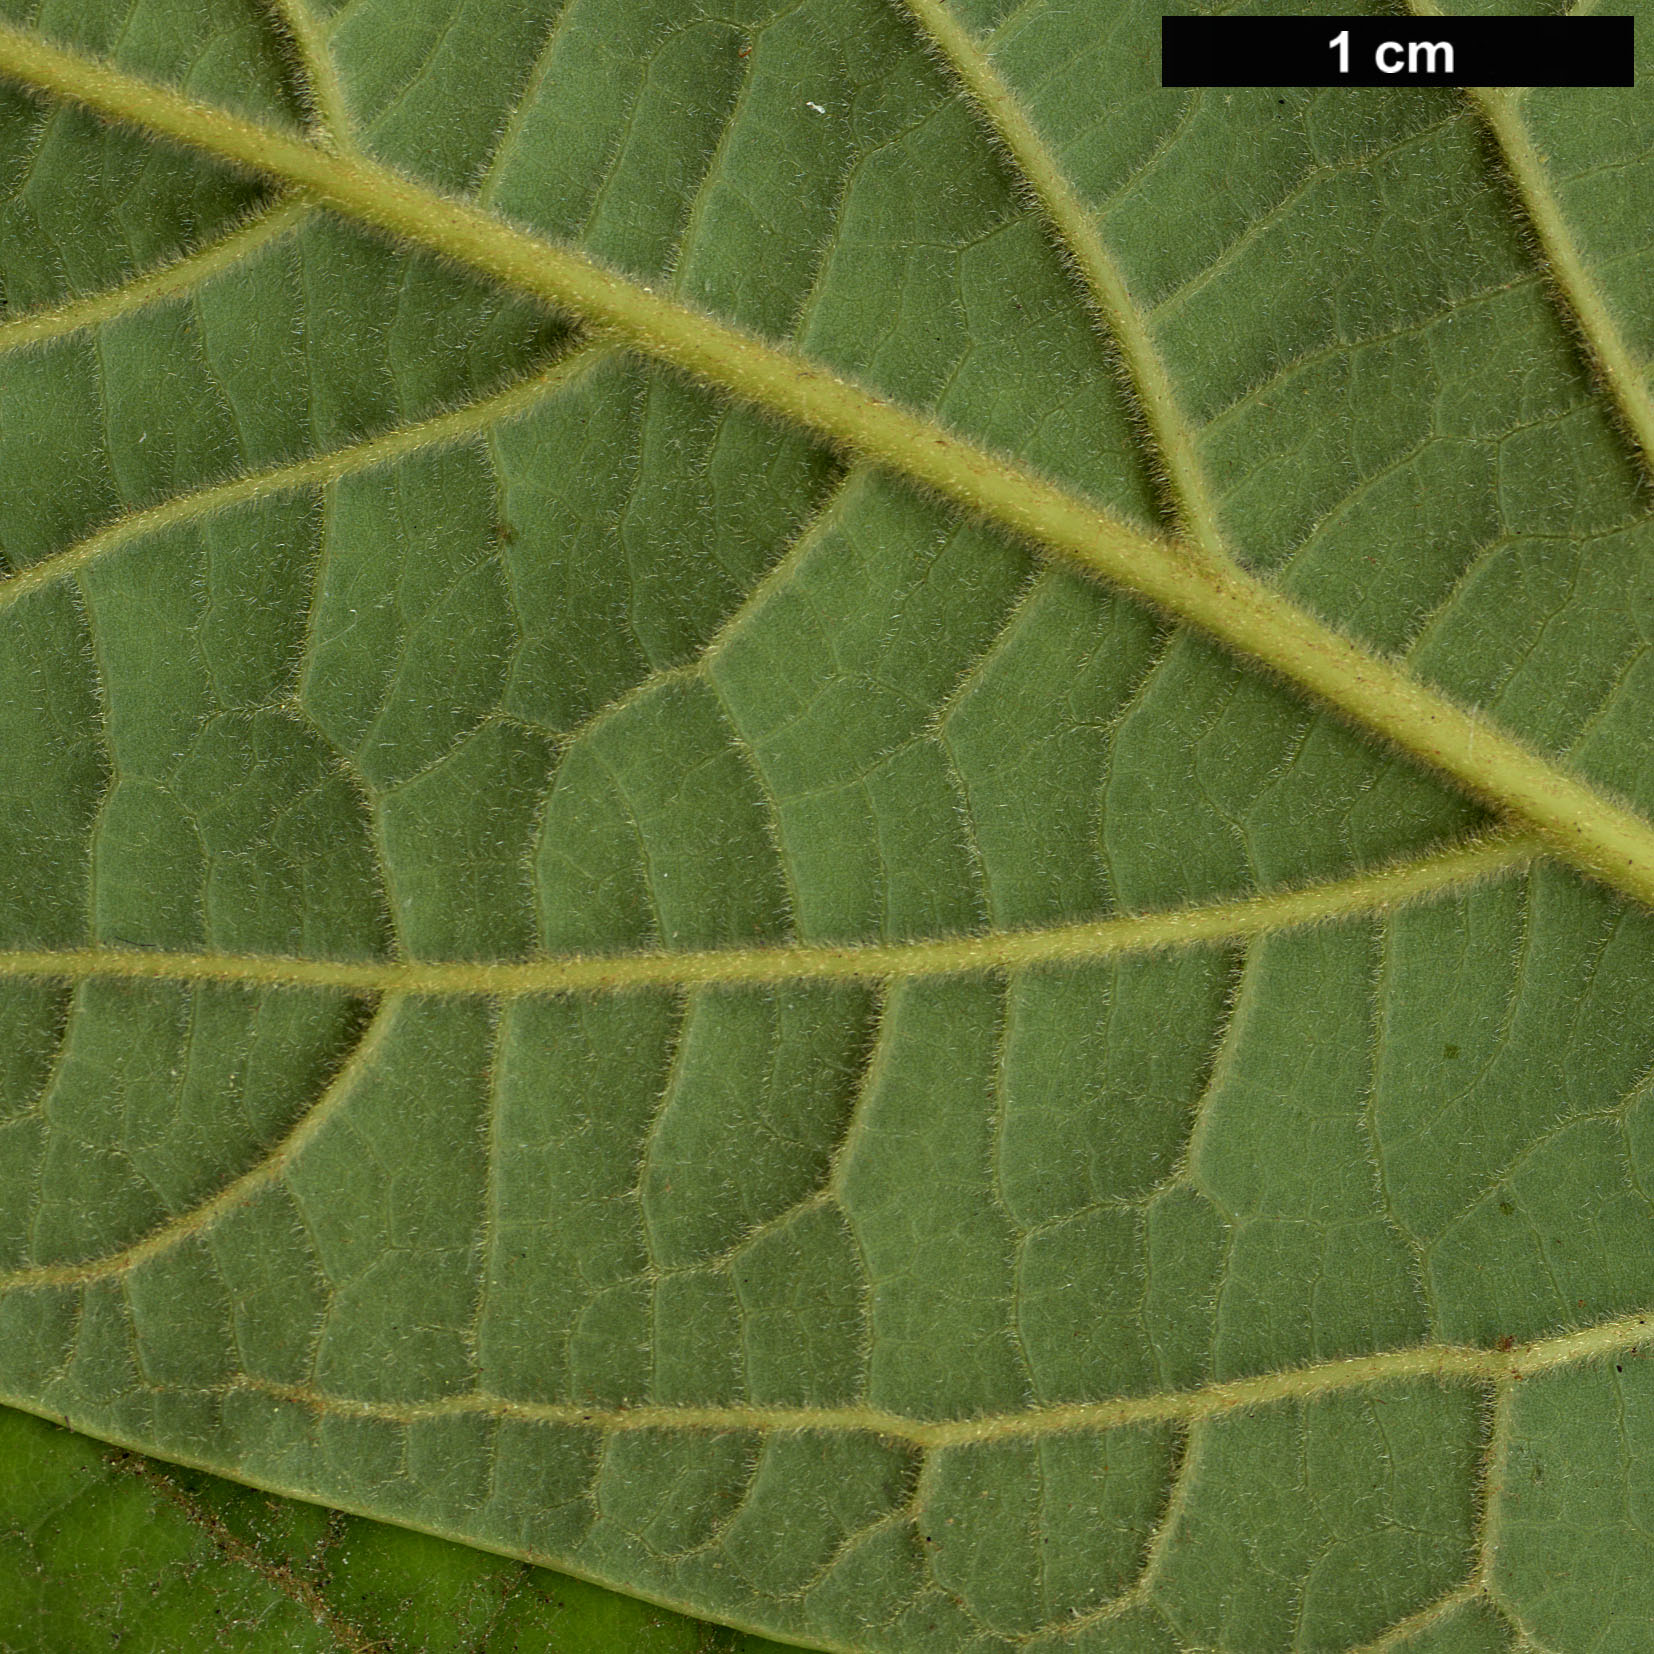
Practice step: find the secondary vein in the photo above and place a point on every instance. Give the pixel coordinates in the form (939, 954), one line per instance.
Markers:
(318, 470)
(1103, 283)
(236, 1192)
(1433, 1363)
(1213, 923)
(320, 85)
(1576, 820)
(1623, 377)
(151, 286)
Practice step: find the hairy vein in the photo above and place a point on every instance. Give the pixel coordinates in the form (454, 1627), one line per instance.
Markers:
(1216, 923)
(1396, 1638)
(1478, 1584)
(150, 287)
(1102, 281)
(1577, 821)
(1622, 375)
(1213, 923)
(234, 1193)
(314, 472)
(1435, 1363)
(1495, 1470)
(320, 86)
(1155, 1555)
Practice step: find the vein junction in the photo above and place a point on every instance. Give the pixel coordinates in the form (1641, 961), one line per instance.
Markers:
(1575, 820)
(1026, 505)
(1103, 284)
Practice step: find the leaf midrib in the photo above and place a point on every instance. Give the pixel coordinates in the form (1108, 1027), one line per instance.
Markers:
(1500, 1370)
(1577, 821)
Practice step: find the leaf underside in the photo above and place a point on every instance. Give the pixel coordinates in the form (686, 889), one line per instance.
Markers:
(586, 971)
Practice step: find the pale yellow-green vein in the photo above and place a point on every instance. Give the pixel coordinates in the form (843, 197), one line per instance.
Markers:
(264, 1172)
(1625, 379)
(1495, 1369)
(455, 425)
(1102, 281)
(1623, 376)
(1428, 1363)
(1212, 924)
(1495, 1470)
(1478, 1583)
(320, 87)
(151, 286)
(1432, 1614)
(1161, 1545)
(1576, 820)
(1375, 891)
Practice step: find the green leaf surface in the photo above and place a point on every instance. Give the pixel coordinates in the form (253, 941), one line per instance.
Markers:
(806, 806)
(101, 1549)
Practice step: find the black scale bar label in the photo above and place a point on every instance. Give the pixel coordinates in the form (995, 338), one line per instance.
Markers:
(1397, 51)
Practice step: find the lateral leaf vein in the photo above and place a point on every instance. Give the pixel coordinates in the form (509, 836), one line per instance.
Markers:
(1577, 820)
